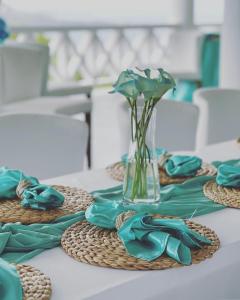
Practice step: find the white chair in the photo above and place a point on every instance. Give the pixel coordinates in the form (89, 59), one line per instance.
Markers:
(182, 57)
(23, 84)
(219, 115)
(176, 126)
(44, 146)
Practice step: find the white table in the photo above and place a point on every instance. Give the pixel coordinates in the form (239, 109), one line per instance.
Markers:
(216, 278)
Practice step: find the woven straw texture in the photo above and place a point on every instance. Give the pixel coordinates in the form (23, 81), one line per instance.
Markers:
(116, 171)
(75, 200)
(222, 195)
(97, 246)
(36, 285)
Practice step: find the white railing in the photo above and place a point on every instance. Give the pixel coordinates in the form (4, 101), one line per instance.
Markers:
(98, 51)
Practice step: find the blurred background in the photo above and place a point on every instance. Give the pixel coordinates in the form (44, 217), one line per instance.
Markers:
(88, 43)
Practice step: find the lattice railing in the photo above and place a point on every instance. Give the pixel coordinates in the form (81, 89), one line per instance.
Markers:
(101, 51)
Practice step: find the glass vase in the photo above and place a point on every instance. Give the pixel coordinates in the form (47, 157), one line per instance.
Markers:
(141, 180)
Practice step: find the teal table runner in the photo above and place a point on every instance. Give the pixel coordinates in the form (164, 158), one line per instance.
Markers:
(10, 285)
(184, 200)
(19, 242)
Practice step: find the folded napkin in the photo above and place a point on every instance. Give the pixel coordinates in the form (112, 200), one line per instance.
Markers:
(180, 165)
(148, 238)
(14, 183)
(41, 197)
(158, 151)
(228, 176)
(9, 180)
(183, 200)
(20, 242)
(10, 284)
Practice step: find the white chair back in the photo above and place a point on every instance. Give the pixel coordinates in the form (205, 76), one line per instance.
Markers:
(176, 126)
(184, 52)
(44, 146)
(23, 71)
(219, 115)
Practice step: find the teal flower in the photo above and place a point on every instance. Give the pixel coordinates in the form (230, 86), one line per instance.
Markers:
(155, 88)
(132, 85)
(127, 85)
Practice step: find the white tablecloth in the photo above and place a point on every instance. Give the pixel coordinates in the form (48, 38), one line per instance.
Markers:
(216, 278)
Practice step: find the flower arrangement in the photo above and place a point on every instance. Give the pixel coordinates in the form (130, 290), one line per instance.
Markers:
(134, 85)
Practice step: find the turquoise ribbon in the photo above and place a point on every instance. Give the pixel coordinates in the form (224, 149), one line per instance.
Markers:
(148, 238)
(36, 195)
(19, 242)
(181, 200)
(10, 285)
(180, 165)
(228, 176)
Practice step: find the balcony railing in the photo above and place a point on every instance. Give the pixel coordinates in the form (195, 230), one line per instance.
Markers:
(95, 52)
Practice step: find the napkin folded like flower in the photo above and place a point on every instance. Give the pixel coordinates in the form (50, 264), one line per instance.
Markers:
(148, 238)
(9, 180)
(41, 197)
(228, 176)
(180, 165)
(34, 195)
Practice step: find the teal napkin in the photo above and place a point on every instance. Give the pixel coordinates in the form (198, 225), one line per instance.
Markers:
(228, 176)
(148, 238)
(180, 165)
(10, 284)
(36, 195)
(158, 151)
(181, 200)
(41, 197)
(9, 180)
(19, 242)
(231, 162)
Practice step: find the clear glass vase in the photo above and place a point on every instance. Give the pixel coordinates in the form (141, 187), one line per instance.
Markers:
(141, 180)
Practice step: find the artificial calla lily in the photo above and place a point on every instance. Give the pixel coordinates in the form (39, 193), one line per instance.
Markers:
(132, 85)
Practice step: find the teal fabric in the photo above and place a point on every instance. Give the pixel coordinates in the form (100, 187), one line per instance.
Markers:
(9, 180)
(209, 71)
(231, 162)
(19, 242)
(159, 152)
(10, 285)
(182, 200)
(41, 197)
(228, 176)
(148, 238)
(181, 165)
(4, 31)
(36, 196)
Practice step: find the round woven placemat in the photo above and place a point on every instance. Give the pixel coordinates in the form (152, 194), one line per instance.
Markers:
(97, 246)
(35, 284)
(222, 195)
(75, 200)
(116, 171)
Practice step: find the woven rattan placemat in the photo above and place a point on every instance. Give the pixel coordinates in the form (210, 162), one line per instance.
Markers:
(36, 285)
(75, 200)
(97, 246)
(222, 195)
(116, 171)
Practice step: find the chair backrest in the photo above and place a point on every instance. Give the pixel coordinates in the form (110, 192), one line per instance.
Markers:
(44, 146)
(184, 50)
(219, 115)
(23, 71)
(176, 126)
